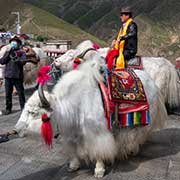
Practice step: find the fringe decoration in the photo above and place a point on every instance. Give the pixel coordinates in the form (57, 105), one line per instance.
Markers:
(135, 118)
(46, 130)
(96, 46)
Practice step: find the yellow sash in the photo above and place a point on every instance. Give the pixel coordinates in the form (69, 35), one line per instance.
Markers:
(120, 45)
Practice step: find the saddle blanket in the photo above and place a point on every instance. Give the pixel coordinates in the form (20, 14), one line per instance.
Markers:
(130, 119)
(128, 114)
(126, 87)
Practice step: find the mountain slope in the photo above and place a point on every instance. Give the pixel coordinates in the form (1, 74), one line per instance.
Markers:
(158, 21)
(39, 22)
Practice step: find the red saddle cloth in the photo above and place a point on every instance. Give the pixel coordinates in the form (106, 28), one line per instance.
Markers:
(126, 87)
(126, 91)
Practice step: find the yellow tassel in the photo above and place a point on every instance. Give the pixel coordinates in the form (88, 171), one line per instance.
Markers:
(120, 64)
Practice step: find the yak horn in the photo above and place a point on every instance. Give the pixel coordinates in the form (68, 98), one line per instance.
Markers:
(44, 101)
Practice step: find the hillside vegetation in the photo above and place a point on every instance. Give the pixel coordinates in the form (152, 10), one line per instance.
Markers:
(158, 21)
(40, 22)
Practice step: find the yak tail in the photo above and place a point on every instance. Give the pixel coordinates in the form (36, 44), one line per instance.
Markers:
(173, 97)
(159, 119)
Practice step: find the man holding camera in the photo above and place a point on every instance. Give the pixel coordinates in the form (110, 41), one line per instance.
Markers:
(13, 59)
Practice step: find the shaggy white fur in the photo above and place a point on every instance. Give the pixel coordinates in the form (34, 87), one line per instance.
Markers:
(78, 112)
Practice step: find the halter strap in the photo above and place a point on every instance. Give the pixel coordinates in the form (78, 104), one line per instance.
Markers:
(84, 53)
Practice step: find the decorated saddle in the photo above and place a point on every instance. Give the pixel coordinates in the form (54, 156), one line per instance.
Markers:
(125, 86)
(125, 94)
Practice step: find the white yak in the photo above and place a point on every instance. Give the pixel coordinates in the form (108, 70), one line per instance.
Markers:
(160, 69)
(75, 106)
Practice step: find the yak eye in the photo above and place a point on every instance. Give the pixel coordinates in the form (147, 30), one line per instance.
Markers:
(31, 112)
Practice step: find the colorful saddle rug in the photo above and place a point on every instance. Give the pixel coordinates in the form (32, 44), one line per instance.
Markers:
(130, 119)
(125, 86)
(128, 115)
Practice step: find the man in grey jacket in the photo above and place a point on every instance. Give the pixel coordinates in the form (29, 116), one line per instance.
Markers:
(13, 59)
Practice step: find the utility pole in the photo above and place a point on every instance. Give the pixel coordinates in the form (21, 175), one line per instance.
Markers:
(18, 27)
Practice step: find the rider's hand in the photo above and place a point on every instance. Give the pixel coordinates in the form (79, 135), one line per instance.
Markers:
(113, 43)
(122, 38)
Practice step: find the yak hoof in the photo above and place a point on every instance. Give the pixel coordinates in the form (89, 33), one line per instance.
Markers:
(74, 165)
(99, 172)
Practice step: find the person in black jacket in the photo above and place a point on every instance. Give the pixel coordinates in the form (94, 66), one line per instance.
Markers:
(130, 46)
(14, 59)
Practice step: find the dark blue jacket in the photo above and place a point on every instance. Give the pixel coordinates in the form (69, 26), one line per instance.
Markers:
(13, 68)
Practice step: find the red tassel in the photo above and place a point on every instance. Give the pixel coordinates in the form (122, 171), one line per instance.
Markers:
(46, 130)
(43, 75)
(77, 60)
(75, 66)
(96, 46)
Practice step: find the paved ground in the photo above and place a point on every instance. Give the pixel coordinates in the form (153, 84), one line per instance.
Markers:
(28, 159)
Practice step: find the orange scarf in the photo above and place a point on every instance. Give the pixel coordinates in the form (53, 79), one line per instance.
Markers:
(120, 63)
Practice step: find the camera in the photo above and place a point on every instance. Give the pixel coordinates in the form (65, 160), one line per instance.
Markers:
(13, 55)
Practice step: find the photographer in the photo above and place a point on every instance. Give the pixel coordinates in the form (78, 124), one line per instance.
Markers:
(13, 59)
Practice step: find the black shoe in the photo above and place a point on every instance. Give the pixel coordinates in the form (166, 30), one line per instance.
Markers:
(3, 138)
(6, 112)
